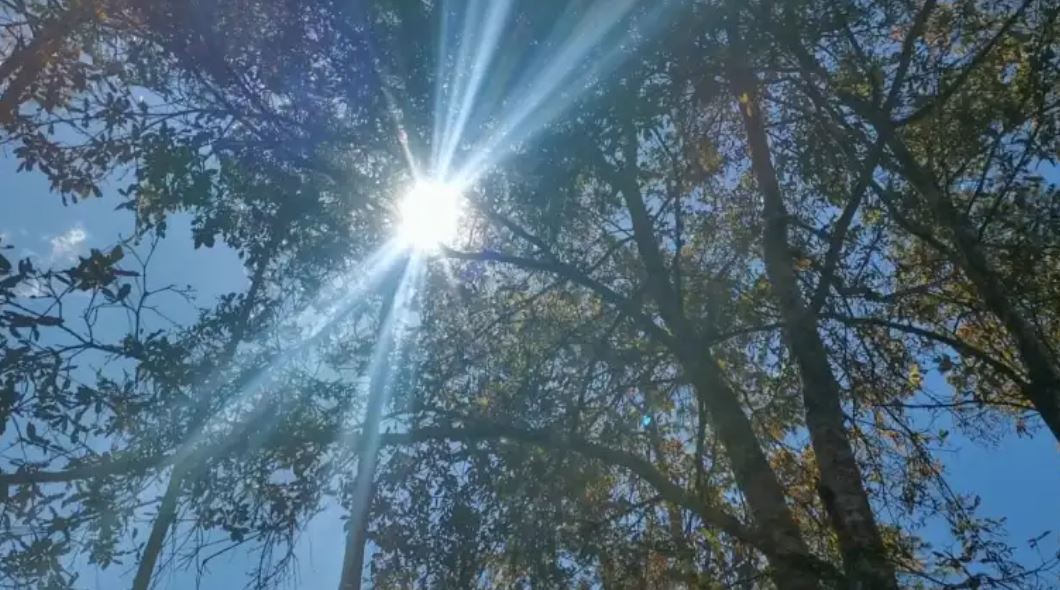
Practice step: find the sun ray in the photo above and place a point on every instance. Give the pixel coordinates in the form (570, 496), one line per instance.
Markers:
(485, 50)
(606, 36)
(343, 297)
(538, 101)
(441, 90)
(384, 363)
(456, 81)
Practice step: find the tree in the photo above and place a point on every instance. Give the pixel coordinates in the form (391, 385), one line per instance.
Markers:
(1010, 134)
(681, 341)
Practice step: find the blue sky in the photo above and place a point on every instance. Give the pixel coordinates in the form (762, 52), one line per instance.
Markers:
(1018, 479)
(38, 225)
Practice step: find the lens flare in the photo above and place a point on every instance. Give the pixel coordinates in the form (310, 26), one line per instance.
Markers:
(430, 215)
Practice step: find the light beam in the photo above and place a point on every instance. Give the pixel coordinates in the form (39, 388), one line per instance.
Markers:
(430, 215)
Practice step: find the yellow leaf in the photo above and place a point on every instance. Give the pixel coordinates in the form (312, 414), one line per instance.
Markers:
(916, 378)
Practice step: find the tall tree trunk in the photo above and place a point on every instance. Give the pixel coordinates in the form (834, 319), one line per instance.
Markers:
(357, 535)
(841, 489)
(167, 514)
(167, 511)
(788, 552)
(364, 484)
(1043, 391)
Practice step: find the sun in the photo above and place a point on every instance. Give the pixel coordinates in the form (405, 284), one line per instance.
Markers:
(430, 215)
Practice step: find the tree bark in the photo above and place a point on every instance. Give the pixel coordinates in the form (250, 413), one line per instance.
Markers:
(749, 463)
(167, 514)
(192, 462)
(795, 567)
(841, 488)
(368, 453)
(1043, 390)
(758, 482)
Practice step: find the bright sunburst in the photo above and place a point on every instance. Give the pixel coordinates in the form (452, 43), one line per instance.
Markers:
(430, 215)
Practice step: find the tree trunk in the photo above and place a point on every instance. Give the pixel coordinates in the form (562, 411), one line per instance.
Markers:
(841, 489)
(364, 484)
(1043, 391)
(167, 513)
(788, 552)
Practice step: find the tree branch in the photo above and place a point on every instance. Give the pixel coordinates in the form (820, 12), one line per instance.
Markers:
(976, 61)
(576, 276)
(842, 226)
(963, 348)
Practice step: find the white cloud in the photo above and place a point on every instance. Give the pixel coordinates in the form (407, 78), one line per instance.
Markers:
(30, 288)
(67, 245)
